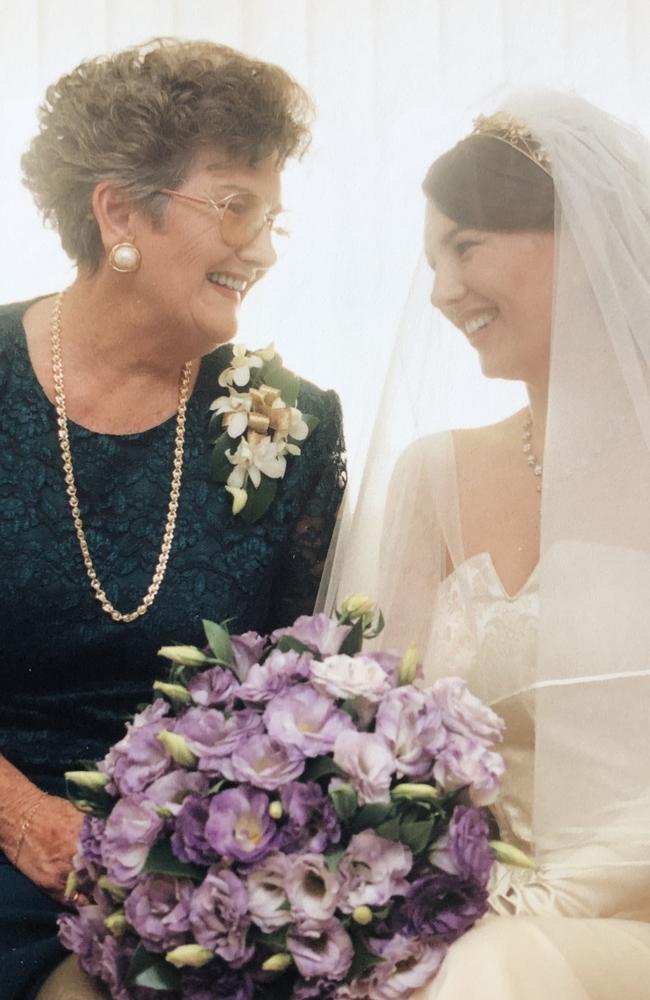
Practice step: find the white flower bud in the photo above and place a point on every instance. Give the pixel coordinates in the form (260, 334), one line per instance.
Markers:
(239, 498)
(275, 810)
(362, 915)
(87, 779)
(277, 963)
(177, 749)
(176, 693)
(186, 656)
(356, 606)
(511, 855)
(116, 923)
(194, 955)
(408, 665)
(412, 790)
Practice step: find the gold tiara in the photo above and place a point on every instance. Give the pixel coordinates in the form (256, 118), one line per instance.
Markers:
(516, 134)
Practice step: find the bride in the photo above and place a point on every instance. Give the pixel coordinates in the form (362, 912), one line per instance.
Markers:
(517, 553)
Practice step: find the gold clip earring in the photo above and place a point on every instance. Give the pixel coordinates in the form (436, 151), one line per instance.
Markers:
(125, 258)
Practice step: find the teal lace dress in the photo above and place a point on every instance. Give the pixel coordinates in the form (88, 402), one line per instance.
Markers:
(69, 675)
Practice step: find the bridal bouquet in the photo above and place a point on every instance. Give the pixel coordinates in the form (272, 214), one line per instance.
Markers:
(290, 818)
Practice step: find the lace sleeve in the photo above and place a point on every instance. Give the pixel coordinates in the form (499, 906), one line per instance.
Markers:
(298, 574)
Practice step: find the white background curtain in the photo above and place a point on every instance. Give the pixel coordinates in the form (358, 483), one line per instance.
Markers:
(394, 83)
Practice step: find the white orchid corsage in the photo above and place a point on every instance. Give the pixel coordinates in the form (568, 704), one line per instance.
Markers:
(255, 428)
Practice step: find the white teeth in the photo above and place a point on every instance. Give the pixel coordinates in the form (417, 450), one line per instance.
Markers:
(478, 322)
(227, 280)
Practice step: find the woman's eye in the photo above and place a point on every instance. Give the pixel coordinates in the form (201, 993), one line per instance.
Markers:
(464, 245)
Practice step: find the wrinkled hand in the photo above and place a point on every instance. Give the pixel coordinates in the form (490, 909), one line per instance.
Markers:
(48, 845)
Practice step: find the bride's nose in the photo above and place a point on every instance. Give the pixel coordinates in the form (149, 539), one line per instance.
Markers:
(448, 288)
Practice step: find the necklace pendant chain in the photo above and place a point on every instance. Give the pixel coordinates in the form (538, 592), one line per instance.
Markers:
(527, 446)
(71, 488)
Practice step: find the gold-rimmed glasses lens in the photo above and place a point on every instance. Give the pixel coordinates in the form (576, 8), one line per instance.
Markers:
(243, 217)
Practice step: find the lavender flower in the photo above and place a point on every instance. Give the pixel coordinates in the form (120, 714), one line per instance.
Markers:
(131, 830)
(319, 632)
(158, 908)
(216, 981)
(368, 762)
(468, 762)
(247, 649)
(239, 825)
(315, 989)
(139, 758)
(188, 840)
(322, 950)
(304, 719)
(89, 850)
(440, 906)
(170, 791)
(278, 672)
(312, 889)
(267, 896)
(263, 763)
(350, 677)
(212, 736)
(116, 959)
(410, 723)
(219, 916)
(465, 850)
(216, 686)
(463, 713)
(83, 933)
(409, 964)
(311, 820)
(372, 871)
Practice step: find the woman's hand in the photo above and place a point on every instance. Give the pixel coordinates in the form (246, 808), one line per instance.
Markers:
(47, 843)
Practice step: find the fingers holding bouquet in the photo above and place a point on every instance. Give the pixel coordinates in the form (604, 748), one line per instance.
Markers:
(294, 818)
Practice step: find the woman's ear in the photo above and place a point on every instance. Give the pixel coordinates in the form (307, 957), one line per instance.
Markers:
(115, 214)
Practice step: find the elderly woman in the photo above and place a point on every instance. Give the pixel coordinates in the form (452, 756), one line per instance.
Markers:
(160, 168)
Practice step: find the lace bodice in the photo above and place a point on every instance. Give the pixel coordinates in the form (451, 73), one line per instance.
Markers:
(69, 675)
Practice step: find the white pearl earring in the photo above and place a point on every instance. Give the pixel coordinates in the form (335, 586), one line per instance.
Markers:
(125, 258)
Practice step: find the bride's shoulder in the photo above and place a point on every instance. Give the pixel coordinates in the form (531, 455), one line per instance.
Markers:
(476, 445)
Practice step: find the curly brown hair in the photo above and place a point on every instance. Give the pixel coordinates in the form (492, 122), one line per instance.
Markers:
(139, 117)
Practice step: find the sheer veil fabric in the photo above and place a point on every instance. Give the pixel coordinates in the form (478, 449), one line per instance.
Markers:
(591, 682)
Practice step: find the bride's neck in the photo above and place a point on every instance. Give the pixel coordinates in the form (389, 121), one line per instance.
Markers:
(538, 404)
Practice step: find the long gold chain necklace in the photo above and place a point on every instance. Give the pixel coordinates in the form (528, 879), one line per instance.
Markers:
(71, 488)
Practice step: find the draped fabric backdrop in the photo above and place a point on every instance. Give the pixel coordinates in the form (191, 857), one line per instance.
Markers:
(394, 84)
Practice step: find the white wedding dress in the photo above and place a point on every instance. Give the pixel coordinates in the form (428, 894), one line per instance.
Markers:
(547, 937)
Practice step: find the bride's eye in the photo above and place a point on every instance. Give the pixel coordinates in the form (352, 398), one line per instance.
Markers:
(463, 246)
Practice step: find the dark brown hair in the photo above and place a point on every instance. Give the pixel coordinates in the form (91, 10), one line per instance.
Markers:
(139, 117)
(483, 183)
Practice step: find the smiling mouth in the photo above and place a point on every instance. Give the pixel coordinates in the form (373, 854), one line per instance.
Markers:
(227, 281)
(477, 323)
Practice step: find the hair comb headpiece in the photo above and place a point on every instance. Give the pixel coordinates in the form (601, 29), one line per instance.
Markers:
(516, 134)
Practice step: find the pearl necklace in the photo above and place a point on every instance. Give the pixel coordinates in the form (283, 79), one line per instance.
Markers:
(71, 488)
(526, 437)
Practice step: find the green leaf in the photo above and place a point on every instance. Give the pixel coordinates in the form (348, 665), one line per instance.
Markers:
(374, 627)
(354, 639)
(363, 959)
(287, 643)
(163, 861)
(371, 815)
(345, 801)
(416, 835)
(152, 971)
(274, 939)
(321, 767)
(220, 467)
(259, 500)
(285, 381)
(215, 429)
(390, 829)
(219, 642)
(332, 859)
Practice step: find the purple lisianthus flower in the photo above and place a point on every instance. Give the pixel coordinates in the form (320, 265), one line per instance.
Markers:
(465, 850)
(315, 989)
(367, 762)
(90, 842)
(463, 713)
(248, 649)
(322, 951)
(372, 871)
(465, 762)
(216, 981)
(239, 825)
(83, 933)
(304, 719)
(170, 791)
(216, 686)
(409, 964)
(319, 632)
(158, 908)
(442, 906)
(188, 839)
(212, 736)
(219, 916)
(344, 676)
(410, 723)
(312, 889)
(267, 894)
(131, 831)
(311, 823)
(263, 763)
(139, 758)
(278, 672)
(116, 959)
